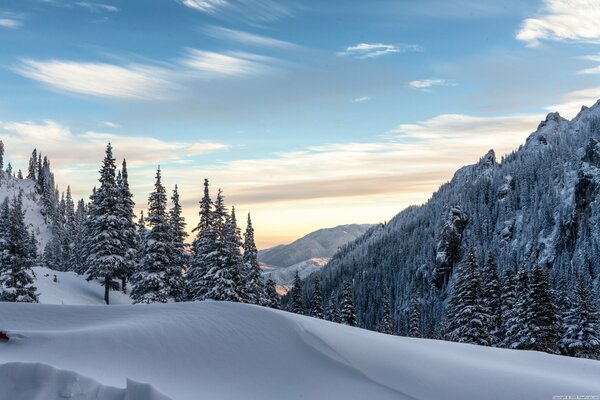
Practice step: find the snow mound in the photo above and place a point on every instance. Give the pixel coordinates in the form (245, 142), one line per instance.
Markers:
(72, 289)
(34, 381)
(34, 220)
(217, 350)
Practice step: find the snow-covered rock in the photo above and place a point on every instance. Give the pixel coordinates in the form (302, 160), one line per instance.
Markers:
(216, 350)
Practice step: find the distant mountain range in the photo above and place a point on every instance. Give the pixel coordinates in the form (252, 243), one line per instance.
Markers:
(308, 253)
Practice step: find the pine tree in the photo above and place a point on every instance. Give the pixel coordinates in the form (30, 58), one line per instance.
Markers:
(517, 326)
(347, 313)
(106, 251)
(1, 155)
(581, 336)
(178, 232)
(333, 314)
(78, 258)
(386, 325)
(508, 301)
(16, 276)
(466, 313)
(204, 250)
(414, 323)
(128, 232)
(316, 308)
(252, 280)
(491, 299)
(296, 304)
(542, 317)
(31, 171)
(158, 278)
(272, 297)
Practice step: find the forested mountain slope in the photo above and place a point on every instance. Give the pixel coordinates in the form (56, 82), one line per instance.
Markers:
(538, 206)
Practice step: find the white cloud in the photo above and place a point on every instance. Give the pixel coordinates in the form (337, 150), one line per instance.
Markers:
(370, 50)
(246, 37)
(361, 99)
(205, 5)
(140, 82)
(96, 7)
(573, 101)
(253, 11)
(9, 23)
(428, 83)
(110, 124)
(231, 64)
(58, 141)
(563, 20)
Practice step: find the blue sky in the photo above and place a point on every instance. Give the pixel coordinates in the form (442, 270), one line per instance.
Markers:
(309, 114)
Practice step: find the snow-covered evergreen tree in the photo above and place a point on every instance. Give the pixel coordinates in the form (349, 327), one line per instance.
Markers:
(581, 336)
(491, 299)
(414, 323)
(386, 325)
(31, 170)
(467, 318)
(508, 300)
(106, 250)
(253, 285)
(273, 299)
(128, 232)
(316, 304)
(517, 326)
(333, 313)
(296, 304)
(542, 317)
(347, 313)
(205, 254)
(158, 278)
(178, 232)
(16, 276)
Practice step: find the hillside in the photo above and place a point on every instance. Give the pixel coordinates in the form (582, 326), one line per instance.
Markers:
(322, 243)
(217, 350)
(537, 206)
(32, 205)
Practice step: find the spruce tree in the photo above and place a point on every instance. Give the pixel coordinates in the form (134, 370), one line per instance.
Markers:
(178, 232)
(106, 251)
(16, 276)
(316, 306)
(272, 297)
(347, 313)
(128, 232)
(333, 313)
(31, 170)
(508, 301)
(581, 336)
(491, 299)
(542, 317)
(252, 280)
(296, 304)
(414, 323)
(517, 326)
(204, 254)
(158, 278)
(386, 325)
(1, 155)
(467, 319)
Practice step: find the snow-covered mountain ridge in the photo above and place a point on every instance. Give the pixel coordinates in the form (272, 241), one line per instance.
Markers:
(218, 350)
(538, 206)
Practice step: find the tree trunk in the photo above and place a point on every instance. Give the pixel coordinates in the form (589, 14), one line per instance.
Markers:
(106, 289)
(124, 284)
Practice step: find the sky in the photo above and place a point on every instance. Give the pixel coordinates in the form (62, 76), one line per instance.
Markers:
(307, 114)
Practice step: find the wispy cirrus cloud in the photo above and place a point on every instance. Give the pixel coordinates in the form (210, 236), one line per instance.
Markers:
(99, 79)
(427, 84)
(361, 99)
(563, 20)
(253, 11)
(96, 7)
(10, 20)
(227, 64)
(371, 50)
(247, 37)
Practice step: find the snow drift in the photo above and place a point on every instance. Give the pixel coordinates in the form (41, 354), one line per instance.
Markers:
(216, 350)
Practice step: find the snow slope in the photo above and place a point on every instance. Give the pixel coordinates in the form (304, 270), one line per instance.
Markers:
(217, 350)
(72, 289)
(284, 277)
(35, 221)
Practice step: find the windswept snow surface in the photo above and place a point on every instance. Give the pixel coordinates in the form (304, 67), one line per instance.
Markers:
(217, 350)
(72, 289)
(33, 381)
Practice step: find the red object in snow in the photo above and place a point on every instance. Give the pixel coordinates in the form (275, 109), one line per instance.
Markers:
(3, 337)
